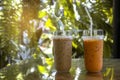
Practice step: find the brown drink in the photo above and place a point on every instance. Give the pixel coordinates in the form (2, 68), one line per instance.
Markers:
(62, 53)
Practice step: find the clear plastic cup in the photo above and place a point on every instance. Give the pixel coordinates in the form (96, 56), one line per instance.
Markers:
(62, 49)
(93, 50)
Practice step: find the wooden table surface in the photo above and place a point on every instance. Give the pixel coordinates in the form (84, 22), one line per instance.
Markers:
(33, 69)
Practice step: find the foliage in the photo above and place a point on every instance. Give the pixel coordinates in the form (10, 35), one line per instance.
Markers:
(38, 18)
(9, 25)
(73, 15)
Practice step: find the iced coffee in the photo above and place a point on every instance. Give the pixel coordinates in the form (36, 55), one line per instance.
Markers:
(62, 49)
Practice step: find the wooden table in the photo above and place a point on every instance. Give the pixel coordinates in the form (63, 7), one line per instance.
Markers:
(37, 69)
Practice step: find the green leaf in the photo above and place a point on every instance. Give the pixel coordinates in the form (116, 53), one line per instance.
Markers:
(42, 69)
(49, 61)
(42, 14)
(74, 45)
(50, 25)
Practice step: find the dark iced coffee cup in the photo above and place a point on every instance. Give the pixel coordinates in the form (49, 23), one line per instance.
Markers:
(62, 49)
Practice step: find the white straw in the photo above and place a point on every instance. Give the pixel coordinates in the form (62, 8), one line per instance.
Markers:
(91, 21)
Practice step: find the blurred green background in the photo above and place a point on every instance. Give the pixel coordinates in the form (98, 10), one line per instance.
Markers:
(26, 26)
